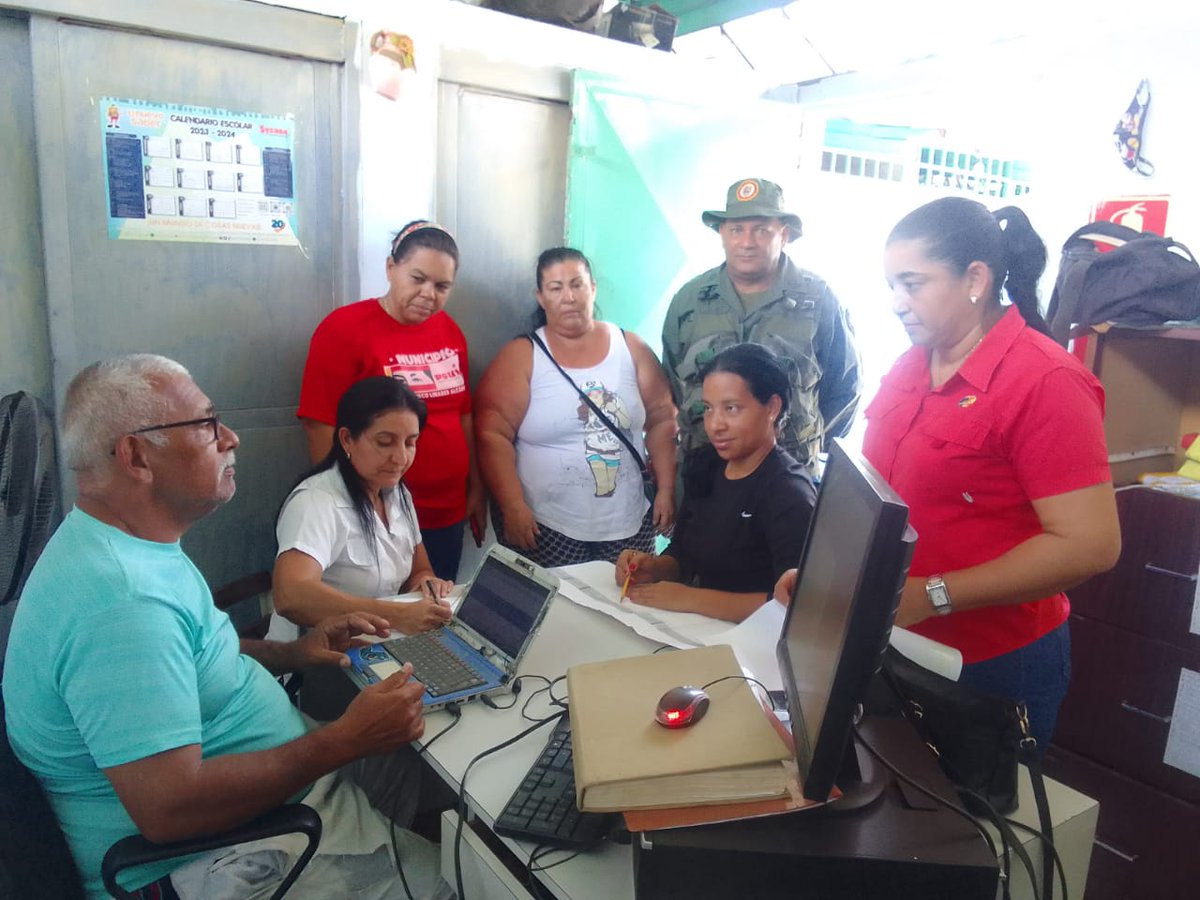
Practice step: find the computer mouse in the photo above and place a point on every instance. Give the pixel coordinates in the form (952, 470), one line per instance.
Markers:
(681, 706)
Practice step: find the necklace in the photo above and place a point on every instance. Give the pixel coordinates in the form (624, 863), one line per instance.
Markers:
(972, 350)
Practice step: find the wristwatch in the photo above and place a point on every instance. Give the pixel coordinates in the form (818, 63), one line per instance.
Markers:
(938, 594)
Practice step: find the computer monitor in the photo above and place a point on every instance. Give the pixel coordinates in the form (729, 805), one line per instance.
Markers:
(851, 572)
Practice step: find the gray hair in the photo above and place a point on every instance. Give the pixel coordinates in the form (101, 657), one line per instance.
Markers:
(110, 399)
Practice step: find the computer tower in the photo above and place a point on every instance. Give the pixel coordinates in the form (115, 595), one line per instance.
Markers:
(901, 846)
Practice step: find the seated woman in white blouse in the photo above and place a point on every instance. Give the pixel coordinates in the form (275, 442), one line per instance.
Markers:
(348, 533)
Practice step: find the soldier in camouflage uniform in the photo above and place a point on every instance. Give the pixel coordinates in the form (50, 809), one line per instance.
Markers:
(760, 295)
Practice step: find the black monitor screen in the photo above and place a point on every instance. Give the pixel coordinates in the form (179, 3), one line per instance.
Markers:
(850, 574)
(503, 604)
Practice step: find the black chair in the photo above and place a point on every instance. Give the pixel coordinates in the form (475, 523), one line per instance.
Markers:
(249, 602)
(36, 863)
(291, 818)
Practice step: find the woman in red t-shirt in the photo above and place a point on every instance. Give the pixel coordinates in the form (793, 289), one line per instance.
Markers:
(405, 334)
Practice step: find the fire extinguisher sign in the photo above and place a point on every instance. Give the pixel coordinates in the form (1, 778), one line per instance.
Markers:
(1139, 213)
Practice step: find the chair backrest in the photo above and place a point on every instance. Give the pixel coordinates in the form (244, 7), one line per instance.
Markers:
(35, 862)
(29, 495)
(248, 602)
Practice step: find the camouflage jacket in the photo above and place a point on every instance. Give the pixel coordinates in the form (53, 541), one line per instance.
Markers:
(800, 320)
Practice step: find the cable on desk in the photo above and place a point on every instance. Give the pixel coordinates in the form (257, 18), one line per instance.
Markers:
(514, 690)
(1008, 841)
(531, 867)
(949, 804)
(456, 713)
(462, 792)
(561, 703)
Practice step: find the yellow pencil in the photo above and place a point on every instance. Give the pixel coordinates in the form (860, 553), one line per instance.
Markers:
(628, 574)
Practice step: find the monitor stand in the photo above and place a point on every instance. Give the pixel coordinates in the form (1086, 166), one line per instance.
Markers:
(885, 842)
(861, 782)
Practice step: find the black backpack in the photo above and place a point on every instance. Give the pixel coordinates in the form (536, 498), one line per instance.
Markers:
(1143, 282)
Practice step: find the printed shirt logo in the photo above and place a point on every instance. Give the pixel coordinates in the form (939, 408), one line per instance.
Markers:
(602, 448)
(435, 374)
(968, 400)
(747, 190)
(747, 515)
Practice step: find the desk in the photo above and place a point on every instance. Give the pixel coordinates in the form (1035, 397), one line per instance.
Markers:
(571, 635)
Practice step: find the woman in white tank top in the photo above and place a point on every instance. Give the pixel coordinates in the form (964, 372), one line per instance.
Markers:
(565, 488)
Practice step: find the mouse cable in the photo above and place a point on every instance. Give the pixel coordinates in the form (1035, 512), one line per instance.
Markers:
(462, 793)
(770, 699)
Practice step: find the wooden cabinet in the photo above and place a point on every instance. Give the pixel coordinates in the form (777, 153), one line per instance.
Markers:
(1131, 631)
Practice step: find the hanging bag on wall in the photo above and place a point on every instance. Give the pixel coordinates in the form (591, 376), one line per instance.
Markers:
(1128, 133)
(1144, 281)
(649, 485)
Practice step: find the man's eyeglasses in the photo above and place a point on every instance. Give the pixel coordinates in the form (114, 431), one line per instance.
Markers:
(214, 421)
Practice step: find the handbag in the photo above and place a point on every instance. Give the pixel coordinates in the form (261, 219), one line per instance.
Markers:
(649, 485)
(978, 738)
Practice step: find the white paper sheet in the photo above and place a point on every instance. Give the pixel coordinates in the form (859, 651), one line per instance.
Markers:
(593, 585)
(945, 661)
(754, 640)
(1183, 739)
(1195, 629)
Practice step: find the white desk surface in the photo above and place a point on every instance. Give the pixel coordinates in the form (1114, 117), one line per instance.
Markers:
(570, 635)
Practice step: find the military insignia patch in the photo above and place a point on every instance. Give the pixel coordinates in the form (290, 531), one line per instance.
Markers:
(747, 190)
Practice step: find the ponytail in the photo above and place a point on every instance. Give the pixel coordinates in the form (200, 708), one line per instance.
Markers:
(1026, 257)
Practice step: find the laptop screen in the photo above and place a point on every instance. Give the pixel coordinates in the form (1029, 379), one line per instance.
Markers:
(502, 605)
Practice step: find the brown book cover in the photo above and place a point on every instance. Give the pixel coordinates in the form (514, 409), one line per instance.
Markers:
(625, 760)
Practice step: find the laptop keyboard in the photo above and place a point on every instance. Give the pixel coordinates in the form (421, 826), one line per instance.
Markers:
(542, 809)
(435, 666)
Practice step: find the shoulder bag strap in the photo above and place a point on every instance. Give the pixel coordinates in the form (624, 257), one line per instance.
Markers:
(1034, 765)
(532, 336)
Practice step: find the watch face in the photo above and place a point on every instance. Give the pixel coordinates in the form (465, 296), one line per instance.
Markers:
(939, 597)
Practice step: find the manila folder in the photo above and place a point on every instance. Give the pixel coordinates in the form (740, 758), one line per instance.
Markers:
(625, 760)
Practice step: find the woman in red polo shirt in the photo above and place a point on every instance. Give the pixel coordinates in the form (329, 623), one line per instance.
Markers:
(406, 334)
(993, 435)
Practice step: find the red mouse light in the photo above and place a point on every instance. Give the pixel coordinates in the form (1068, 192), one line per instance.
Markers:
(681, 707)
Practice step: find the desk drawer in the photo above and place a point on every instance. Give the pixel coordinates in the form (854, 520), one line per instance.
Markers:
(1118, 707)
(1152, 588)
(1145, 840)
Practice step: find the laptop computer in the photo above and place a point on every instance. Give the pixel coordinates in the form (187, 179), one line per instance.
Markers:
(479, 650)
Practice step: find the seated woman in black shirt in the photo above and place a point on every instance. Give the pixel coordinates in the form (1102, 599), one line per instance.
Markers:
(742, 524)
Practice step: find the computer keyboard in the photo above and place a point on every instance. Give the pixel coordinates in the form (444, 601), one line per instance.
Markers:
(542, 809)
(433, 664)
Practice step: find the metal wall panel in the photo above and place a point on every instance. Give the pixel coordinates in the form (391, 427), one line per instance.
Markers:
(238, 316)
(502, 174)
(24, 339)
